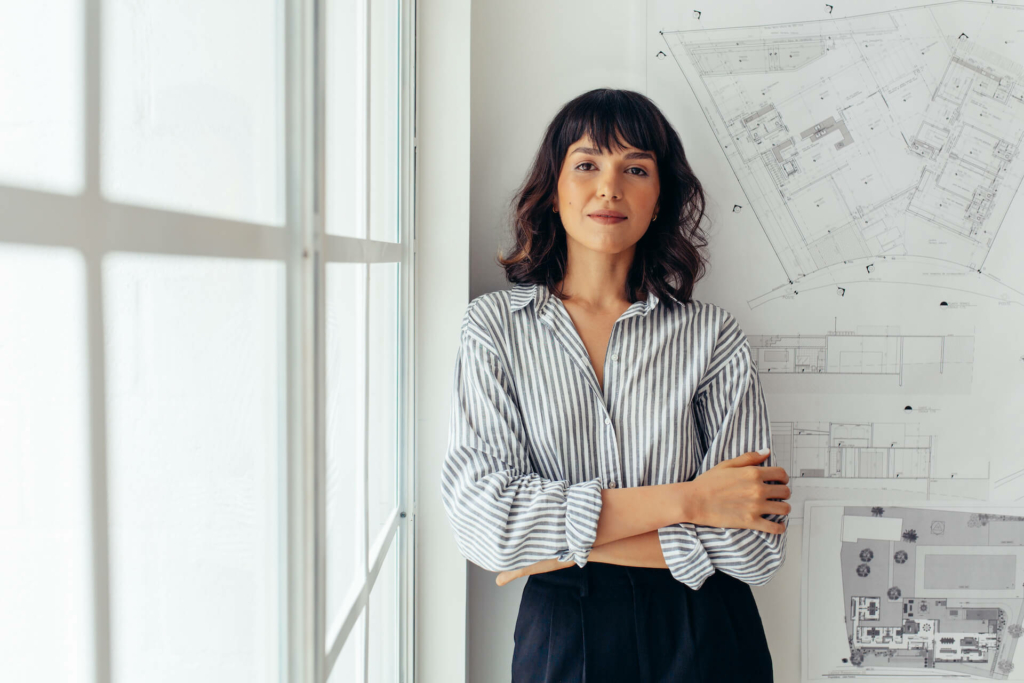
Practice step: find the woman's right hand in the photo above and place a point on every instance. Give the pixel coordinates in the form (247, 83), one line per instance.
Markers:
(734, 494)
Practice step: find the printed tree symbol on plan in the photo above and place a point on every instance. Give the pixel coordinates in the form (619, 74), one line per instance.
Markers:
(877, 511)
(914, 585)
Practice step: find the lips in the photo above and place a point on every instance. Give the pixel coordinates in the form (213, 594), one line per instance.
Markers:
(607, 217)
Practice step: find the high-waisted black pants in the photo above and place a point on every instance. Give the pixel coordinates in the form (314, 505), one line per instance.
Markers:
(606, 622)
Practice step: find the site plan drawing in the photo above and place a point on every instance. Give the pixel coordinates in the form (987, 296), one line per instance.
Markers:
(926, 590)
(884, 147)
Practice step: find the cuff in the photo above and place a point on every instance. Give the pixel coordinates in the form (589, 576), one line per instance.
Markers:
(685, 554)
(582, 510)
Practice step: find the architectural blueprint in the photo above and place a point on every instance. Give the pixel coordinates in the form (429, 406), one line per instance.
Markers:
(863, 168)
(872, 252)
(888, 137)
(934, 591)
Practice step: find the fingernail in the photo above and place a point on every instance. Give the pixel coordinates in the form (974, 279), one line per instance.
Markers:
(764, 451)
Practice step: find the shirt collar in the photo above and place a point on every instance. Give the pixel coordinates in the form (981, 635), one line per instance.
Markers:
(522, 294)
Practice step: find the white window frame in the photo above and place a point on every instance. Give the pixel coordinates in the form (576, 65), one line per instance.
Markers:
(95, 226)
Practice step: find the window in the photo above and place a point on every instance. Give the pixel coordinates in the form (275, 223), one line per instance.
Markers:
(205, 340)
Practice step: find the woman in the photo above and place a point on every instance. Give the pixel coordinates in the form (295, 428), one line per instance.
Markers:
(604, 423)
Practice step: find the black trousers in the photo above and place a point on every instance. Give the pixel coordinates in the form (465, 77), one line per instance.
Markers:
(606, 622)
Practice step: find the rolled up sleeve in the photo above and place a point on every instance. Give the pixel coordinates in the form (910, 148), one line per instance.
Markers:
(504, 515)
(732, 419)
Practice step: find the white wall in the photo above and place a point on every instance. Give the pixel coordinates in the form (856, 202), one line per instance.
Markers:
(442, 291)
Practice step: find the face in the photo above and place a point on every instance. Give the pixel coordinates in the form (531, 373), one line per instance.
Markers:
(623, 182)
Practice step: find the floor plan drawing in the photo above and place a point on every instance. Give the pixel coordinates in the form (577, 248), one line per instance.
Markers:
(881, 147)
(925, 590)
(937, 364)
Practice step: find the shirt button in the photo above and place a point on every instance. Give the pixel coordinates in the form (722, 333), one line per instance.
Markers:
(612, 484)
(615, 356)
(607, 420)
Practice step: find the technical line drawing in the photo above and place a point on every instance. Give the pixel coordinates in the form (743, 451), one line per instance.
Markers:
(837, 450)
(934, 363)
(1009, 482)
(936, 592)
(826, 460)
(874, 148)
(925, 589)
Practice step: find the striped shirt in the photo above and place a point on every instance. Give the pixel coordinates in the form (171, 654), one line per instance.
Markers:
(534, 438)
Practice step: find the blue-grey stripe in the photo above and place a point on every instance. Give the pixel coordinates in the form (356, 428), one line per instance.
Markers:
(534, 438)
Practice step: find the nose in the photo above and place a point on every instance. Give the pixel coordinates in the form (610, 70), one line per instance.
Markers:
(609, 185)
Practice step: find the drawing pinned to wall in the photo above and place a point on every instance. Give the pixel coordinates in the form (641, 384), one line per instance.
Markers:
(870, 154)
(883, 147)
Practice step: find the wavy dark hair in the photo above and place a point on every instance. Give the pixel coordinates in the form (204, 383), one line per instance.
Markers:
(670, 257)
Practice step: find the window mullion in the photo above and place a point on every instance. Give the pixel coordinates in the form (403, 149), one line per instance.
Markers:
(303, 643)
(365, 149)
(86, 225)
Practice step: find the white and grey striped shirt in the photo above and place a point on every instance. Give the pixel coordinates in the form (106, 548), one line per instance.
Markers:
(533, 438)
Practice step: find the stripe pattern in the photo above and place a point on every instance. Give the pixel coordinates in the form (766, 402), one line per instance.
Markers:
(534, 438)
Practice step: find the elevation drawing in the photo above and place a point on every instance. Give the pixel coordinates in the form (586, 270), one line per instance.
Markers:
(836, 460)
(927, 363)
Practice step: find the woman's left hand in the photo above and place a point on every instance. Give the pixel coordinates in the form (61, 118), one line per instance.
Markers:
(535, 568)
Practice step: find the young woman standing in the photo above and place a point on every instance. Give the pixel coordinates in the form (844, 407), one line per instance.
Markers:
(609, 437)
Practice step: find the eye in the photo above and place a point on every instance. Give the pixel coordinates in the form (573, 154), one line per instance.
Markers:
(642, 173)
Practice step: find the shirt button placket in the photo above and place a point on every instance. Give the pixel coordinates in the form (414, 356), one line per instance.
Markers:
(611, 435)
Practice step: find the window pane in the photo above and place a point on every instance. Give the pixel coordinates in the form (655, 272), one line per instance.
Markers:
(383, 406)
(346, 432)
(383, 658)
(384, 129)
(196, 394)
(46, 618)
(349, 667)
(41, 95)
(345, 120)
(192, 105)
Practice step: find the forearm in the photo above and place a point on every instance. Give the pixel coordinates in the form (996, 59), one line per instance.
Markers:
(638, 510)
(643, 550)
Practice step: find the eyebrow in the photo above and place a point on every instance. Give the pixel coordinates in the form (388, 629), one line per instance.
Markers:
(629, 155)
